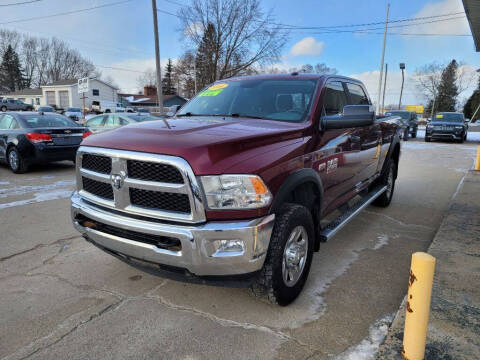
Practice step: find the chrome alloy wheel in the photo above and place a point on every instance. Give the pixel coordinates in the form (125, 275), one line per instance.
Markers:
(295, 256)
(13, 159)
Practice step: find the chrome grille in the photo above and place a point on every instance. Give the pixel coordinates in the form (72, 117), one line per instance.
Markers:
(160, 200)
(98, 188)
(151, 185)
(153, 172)
(101, 164)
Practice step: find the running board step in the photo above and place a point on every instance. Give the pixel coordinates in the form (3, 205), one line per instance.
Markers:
(331, 229)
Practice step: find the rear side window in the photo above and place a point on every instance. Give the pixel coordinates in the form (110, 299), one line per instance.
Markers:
(8, 122)
(357, 95)
(96, 121)
(335, 98)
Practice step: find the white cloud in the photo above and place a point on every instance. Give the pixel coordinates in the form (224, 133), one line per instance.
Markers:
(307, 46)
(455, 26)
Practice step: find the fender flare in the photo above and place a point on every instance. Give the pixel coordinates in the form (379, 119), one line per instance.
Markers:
(393, 144)
(295, 179)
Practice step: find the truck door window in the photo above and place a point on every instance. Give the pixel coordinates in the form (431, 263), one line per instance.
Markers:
(335, 98)
(357, 95)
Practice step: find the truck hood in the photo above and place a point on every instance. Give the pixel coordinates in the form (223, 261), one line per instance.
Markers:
(209, 144)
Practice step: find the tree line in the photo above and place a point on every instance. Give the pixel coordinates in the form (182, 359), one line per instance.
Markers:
(30, 62)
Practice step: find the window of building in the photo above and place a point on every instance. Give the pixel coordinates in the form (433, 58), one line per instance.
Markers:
(95, 92)
(37, 101)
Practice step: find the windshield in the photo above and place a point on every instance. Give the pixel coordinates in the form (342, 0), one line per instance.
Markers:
(283, 100)
(448, 117)
(46, 109)
(47, 121)
(402, 114)
(73, 110)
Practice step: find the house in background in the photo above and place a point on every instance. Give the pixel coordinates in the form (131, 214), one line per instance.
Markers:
(28, 96)
(64, 93)
(149, 98)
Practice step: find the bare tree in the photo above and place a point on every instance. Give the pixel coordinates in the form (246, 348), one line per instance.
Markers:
(28, 57)
(9, 37)
(148, 78)
(240, 35)
(184, 74)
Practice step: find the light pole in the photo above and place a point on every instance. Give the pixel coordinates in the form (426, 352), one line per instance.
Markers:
(157, 58)
(402, 67)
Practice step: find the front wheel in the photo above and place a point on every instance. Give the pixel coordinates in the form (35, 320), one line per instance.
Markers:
(414, 135)
(289, 256)
(427, 139)
(3, 108)
(388, 179)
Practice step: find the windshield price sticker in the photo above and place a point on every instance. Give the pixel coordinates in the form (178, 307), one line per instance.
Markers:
(439, 116)
(214, 90)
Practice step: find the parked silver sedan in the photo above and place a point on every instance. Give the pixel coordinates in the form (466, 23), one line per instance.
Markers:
(105, 122)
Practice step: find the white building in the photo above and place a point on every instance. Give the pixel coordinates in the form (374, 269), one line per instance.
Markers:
(64, 93)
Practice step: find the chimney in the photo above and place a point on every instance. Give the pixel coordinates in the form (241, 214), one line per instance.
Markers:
(150, 90)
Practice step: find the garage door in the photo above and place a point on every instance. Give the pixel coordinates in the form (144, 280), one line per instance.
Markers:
(64, 101)
(50, 97)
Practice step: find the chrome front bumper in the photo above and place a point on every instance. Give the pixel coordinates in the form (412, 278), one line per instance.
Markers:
(199, 243)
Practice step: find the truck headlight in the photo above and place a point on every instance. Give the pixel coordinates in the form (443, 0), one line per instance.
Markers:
(235, 192)
(459, 127)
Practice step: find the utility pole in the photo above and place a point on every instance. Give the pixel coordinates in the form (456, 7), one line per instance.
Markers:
(402, 67)
(157, 58)
(379, 93)
(84, 112)
(384, 87)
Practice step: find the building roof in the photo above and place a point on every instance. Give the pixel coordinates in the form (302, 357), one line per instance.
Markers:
(71, 82)
(472, 9)
(142, 99)
(26, 92)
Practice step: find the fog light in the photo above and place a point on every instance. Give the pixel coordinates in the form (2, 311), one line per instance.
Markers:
(229, 248)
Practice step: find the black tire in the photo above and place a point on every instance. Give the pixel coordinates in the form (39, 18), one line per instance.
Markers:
(427, 139)
(15, 161)
(3, 108)
(414, 135)
(405, 135)
(270, 281)
(388, 178)
(107, 111)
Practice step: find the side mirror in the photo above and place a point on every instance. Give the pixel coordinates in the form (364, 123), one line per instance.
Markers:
(353, 116)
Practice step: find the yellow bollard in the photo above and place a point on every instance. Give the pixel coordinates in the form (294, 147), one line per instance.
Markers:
(418, 306)
(477, 163)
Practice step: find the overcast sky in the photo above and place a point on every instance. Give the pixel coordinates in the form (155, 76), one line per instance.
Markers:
(122, 36)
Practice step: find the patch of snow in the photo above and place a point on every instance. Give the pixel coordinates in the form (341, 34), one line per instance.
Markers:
(368, 347)
(382, 240)
(473, 136)
(40, 197)
(25, 189)
(48, 177)
(4, 182)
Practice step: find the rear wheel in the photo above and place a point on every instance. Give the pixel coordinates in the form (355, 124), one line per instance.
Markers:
(15, 161)
(3, 108)
(388, 179)
(289, 256)
(405, 135)
(427, 139)
(414, 135)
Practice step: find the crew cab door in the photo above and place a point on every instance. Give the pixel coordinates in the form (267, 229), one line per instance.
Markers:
(370, 138)
(337, 151)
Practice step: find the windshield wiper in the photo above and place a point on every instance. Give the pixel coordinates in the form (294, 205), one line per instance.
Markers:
(236, 115)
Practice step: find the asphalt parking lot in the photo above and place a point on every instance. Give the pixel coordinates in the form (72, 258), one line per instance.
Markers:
(60, 297)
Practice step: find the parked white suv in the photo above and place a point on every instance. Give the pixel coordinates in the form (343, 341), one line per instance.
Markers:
(107, 107)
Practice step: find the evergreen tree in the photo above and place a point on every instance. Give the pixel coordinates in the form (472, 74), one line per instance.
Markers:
(447, 90)
(168, 87)
(11, 73)
(472, 104)
(205, 59)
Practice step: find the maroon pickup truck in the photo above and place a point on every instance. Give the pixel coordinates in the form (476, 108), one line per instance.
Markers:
(241, 182)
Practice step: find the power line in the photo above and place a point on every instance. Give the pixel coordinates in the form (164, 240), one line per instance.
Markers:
(20, 3)
(119, 69)
(293, 27)
(66, 13)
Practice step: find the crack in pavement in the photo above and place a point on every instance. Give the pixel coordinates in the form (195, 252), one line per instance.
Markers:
(92, 317)
(39, 246)
(398, 221)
